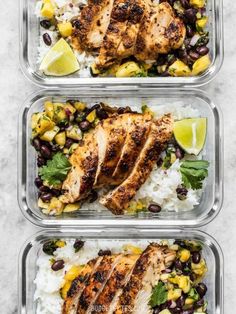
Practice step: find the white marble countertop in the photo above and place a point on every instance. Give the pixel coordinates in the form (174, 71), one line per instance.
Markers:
(14, 88)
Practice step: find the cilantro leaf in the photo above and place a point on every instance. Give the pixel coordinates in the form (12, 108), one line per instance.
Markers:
(56, 169)
(159, 295)
(193, 173)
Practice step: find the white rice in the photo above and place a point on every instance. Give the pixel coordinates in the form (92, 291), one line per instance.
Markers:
(63, 13)
(49, 282)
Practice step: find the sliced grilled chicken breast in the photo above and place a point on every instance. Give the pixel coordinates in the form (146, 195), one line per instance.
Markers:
(93, 23)
(112, 135)
(146, 273)
(112, 39)
(161, 31)
(138, 131)
(109, 296)
(80, 179)
(118, 199)
(128, 42)
(96, 283)
(71, 303)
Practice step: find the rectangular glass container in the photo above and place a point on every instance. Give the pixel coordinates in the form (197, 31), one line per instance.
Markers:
(211, 252)
(210, 202)
(29, 41)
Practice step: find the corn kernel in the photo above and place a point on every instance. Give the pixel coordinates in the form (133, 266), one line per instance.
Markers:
(60, 243)
(189, 301)
(133, 249)
(198, 3)
(71, 207)
(201, 65)
(79, 106)
(184, 255)
(179, 68)
(202, 22)
(47, 10)
(73, 272)
(91, 116)
(65, 29)
(174, 294)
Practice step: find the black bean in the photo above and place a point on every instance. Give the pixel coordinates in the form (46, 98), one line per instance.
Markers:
(185, 3)
(84, 126)
(201, 289)
(93, 196)
(40, 161)
(36, 143)
(56, 192)
(101, 113)
(68, 143)
(122, 110)
(180, 302)
(190, 15)
(57, 265)
(161, 60)
(178, 265)
(156, 310)
(165, 74)
(189, 31)
(203, 50)
(104, 252)
(196, 257)
(179, 153)
(45, 24)
(38, 182)
(46, 152)
(44, 189)
(154, 208)
(47, 39)
(159, 162)
(76, 24)
(182, 193)
(180, 243)
(193, 55)
(78, 245)
(46, 197)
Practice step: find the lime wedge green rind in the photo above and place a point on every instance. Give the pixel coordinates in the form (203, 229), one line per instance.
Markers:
(190, 134)
(60, 60)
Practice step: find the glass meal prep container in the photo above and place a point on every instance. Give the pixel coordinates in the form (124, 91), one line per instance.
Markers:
(211, 199)
(30, 252)
(29, 42)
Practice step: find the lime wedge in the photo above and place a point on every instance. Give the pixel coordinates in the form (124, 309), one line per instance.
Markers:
(190, 134)
(60, 60)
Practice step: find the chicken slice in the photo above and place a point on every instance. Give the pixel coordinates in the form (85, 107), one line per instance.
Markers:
(128, 42)
(96, 283)
(146, 273)
(161, 31)
(93, 24)
(138, 131)
(118, 199)
(113, 37)
(80, 179)
(111, 137)
(107, 299)
(71, 302)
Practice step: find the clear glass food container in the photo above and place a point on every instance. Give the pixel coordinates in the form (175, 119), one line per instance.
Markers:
(29, 42)
(211, 199)
(30, 251)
